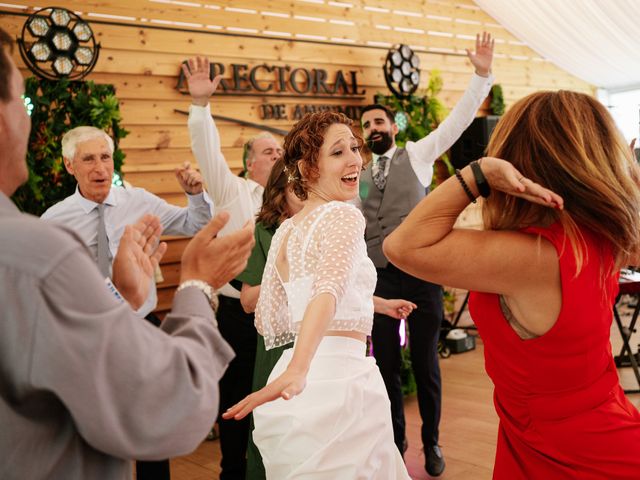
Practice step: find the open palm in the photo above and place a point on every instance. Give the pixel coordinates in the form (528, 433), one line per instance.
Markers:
(138, 255)
(483, 56)
(286, 386)
(201, 87)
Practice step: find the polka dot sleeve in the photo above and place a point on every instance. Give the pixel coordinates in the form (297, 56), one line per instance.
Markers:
(338, 237)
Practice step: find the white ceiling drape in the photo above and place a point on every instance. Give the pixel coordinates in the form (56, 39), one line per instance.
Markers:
(595, 40)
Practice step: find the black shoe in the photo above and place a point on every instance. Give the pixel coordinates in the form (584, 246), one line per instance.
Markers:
(434, 462)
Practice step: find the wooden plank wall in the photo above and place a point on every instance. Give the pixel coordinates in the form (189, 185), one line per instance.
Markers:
(144, 41)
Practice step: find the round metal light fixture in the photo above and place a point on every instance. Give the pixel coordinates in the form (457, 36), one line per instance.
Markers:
(402, 71)
(55, 43)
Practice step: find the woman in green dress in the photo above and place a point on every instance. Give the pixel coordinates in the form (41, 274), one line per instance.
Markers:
(278, 203)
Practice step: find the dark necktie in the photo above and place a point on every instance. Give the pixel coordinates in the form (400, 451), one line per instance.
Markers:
(103, 243)
(379, 179)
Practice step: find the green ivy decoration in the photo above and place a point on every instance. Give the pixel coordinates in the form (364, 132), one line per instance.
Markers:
(449, 296)
(60, 105)
(497, 100)
(407, 378)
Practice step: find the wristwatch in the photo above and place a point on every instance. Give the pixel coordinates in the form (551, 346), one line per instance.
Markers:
(204, 287)
(481, 181)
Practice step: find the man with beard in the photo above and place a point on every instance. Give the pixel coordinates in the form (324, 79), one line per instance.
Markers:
(396, 181)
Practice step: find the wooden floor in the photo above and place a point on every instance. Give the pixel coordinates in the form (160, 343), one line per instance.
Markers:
(467, 431)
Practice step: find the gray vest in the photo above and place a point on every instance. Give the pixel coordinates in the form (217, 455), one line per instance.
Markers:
(385, 210)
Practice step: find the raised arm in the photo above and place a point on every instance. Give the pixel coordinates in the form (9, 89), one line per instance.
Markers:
(176, 220)
(222, 184)
(427, 150)
(427, 246)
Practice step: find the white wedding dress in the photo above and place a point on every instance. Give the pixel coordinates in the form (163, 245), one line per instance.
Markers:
(339, 427)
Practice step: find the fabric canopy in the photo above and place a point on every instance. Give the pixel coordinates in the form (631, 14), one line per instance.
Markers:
(595, 40)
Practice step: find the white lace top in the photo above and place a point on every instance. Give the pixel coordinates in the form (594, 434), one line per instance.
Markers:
(326, 253)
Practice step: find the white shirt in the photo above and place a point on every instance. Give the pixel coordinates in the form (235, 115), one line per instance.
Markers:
(124, 206)
(241, 197)
(424, 152)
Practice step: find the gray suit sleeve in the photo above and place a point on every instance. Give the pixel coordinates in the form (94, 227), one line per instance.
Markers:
(133, 390)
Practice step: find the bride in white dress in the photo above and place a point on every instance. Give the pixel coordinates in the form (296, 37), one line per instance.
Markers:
(328, 414)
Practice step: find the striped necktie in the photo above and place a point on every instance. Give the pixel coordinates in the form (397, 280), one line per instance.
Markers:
(379, 178)
(103, 243)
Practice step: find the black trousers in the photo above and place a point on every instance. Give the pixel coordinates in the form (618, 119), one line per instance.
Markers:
(237, 328)
(424, 330)
(156, 470)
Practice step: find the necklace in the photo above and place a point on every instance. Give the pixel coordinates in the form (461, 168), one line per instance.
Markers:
(320, 195)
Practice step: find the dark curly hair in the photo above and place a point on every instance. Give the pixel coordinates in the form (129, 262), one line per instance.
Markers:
(274, 208)
(303, 143)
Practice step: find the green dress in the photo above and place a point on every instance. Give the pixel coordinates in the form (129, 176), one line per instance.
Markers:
(265, 359)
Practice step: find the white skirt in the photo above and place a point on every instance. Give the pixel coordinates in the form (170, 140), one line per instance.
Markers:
(338, 428)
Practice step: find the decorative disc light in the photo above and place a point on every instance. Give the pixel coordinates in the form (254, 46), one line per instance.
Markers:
(402, 71)
(57, 43)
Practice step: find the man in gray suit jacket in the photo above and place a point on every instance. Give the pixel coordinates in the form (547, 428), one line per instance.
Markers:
(396, 181)
(86, 385)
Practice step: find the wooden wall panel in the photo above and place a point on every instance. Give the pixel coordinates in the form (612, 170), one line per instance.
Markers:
(144, 42)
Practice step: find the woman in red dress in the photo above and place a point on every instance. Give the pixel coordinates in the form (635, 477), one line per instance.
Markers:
(544, 278)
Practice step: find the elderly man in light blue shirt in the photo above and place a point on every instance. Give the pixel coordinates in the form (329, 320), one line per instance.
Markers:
(88, 156)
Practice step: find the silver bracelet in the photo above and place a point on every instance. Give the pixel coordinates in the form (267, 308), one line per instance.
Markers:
(204, 287)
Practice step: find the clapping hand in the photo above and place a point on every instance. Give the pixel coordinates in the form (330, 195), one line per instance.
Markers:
(138, 255)
(217, 260)
(503, 176)
(483, 56)
(201, 87)
(190, 180)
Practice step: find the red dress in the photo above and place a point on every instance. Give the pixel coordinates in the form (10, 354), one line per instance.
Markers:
(563, 414)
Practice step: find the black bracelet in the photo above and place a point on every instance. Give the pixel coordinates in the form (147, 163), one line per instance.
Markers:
(465, 187)
(481, 180)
